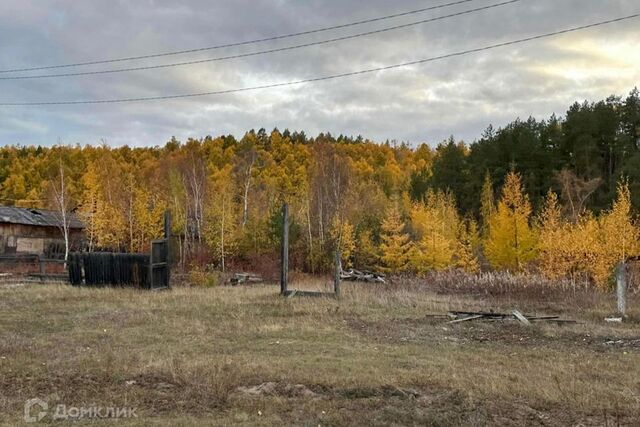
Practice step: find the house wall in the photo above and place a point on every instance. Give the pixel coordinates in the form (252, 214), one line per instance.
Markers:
(21, 239)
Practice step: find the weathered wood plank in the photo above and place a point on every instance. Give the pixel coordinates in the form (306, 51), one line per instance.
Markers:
(295, 292)
(465, 319)
(336, 273)
(284, 264)
(521, 318)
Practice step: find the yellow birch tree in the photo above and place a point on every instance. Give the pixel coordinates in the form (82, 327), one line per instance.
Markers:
(343, 234)
(221, 214)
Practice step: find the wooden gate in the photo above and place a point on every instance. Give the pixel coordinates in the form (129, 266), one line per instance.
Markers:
(159, 264)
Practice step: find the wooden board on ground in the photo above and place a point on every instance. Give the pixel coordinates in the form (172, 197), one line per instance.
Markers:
(521, 318)
(290, 293)
(526, 319)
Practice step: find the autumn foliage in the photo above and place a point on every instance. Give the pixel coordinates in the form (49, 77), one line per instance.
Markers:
(511, 243)
(384, 206)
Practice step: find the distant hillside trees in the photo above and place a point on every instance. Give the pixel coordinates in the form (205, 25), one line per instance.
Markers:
(556, 196)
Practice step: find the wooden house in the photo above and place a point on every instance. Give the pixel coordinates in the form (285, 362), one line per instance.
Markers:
(36, 231)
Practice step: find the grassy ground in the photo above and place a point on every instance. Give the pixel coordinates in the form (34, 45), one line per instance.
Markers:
(191, 355)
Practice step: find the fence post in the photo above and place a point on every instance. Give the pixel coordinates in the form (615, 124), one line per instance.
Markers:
(621, 288)
(151, 267)
(284, 261)
(337, 271)
(167, 246)
(41, 261)
(167, 224)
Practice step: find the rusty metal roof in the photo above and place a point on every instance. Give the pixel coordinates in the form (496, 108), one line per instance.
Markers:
(36, 217)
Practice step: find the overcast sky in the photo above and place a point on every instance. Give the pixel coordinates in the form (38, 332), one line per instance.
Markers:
(422, 103)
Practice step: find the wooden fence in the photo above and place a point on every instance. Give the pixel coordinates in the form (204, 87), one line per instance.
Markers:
(100, 269)
(144, 271)
(109, 269)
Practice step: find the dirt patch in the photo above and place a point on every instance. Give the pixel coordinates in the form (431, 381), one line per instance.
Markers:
(283, 389)
(389, 404)
(152, 393)
(436, 330)
(519, 413)
(277, 389)
(384, 392)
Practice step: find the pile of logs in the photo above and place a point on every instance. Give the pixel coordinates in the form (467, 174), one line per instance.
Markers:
(245, 278)
(465, 316)
(354, 275)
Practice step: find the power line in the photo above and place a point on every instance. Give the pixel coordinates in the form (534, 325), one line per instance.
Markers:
(243, 43)
(330, 77)
(262, 52)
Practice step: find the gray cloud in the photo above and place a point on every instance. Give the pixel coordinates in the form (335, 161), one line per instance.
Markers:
(458, 96)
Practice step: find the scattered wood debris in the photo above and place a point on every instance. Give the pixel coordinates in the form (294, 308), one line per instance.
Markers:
(625, 343)
(354, 275)
(613, 319)
(525, 319)
(242, 278)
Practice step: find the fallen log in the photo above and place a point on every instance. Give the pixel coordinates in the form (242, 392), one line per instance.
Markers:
(354, 275)
(240, 278)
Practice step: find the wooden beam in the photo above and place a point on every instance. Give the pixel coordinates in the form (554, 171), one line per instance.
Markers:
(291, 294)
(295, 292)
(464, 319)
(167, 236)
(521, 318)
(621, 288)
(336, 273)
(284, 259)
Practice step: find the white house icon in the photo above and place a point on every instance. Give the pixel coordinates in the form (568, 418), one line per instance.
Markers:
(33, 405)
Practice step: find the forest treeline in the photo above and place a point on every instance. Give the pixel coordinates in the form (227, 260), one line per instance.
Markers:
(555, 195)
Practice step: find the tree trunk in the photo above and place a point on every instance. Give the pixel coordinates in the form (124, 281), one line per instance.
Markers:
(61, 201)
(222, 234)
(312, 262)
(247, 185)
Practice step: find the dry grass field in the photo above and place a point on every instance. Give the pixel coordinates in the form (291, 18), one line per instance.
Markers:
(245, 356)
